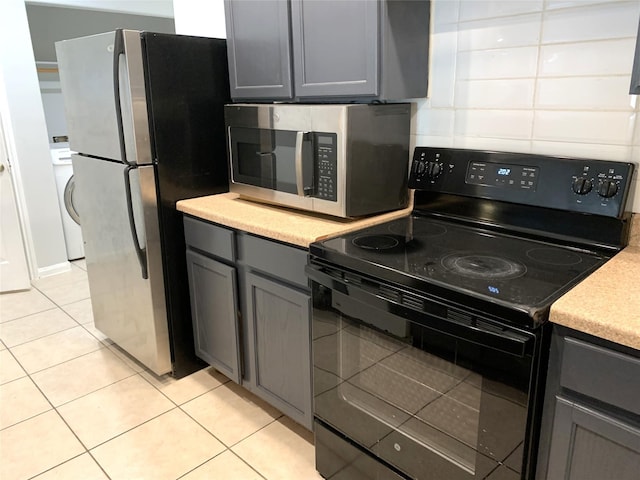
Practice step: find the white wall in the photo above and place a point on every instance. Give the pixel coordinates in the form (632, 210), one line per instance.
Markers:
(538, 76)
(26, 132)
(156, 8)
(204, 18)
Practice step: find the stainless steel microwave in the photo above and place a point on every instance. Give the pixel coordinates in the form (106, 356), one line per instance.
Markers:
(341, 160)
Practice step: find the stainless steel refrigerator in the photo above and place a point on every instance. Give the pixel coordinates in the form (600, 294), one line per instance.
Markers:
(145, 116)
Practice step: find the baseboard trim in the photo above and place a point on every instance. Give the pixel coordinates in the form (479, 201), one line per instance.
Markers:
(54, 269)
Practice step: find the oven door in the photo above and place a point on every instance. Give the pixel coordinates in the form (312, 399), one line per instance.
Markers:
(431, 396)
(279, 160)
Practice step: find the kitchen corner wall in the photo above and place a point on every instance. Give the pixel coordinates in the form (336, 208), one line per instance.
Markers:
(540, 76)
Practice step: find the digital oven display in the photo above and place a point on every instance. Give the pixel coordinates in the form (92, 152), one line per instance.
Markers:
(502, 175)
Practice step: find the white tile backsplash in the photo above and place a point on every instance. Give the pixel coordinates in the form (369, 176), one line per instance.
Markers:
(477, 9)
(618, 153)
(636, 134)
(444, 12)
(507, 94)
(500, 33)
(543, 76)
(604, 57)
(614, 128)
(555, 4)
(443, 60)
(602, 21)
(435, 122)
(497, 124)
(433, 141)
(497, 144)
(497, 64)
(633, 201)
(584, 93)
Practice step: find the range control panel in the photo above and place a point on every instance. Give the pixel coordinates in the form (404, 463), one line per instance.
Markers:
(583, 185)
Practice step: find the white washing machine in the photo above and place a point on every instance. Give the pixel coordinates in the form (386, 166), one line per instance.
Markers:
(61, 158)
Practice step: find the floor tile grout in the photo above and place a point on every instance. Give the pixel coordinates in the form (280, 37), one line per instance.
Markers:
(130, 363)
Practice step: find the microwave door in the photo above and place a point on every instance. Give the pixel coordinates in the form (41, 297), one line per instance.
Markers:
(268, 169)
(264, 158)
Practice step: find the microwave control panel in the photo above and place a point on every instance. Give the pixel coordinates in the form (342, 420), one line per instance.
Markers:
(326, 166)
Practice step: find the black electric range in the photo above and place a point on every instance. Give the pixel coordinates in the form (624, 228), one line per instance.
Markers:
(495, 231)
(430, 339)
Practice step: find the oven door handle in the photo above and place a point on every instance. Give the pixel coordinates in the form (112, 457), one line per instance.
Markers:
(475, 330)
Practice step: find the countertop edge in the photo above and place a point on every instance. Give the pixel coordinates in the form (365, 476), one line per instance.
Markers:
(277, 223)
(599, 306)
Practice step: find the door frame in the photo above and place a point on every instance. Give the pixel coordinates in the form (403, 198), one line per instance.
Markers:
(16, 184)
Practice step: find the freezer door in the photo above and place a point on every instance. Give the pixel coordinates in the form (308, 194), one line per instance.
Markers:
(127, 307)
(90, 68)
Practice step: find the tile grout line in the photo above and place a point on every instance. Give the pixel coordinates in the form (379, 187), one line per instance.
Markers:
(158, 387)
(54, 408)
(86, 450)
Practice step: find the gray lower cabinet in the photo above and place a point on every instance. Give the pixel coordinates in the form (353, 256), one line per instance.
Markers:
(332, 49)
(591, 417)
(251, 312)
(589, 445)
(278, 324)
(214, 312)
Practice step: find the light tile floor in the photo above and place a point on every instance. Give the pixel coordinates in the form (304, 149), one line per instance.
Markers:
(75, 406)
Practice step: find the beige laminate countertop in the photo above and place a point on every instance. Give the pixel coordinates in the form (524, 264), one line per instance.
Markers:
(607, 303)
(284, 224)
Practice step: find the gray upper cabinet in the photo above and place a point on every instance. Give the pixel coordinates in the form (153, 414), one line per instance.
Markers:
(333, 50)
(635, 73)
(258, 48)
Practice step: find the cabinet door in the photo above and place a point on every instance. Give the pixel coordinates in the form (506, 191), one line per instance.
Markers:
(635, 73)
(279, 323)
(587, 445)
(258, 46)
(214, 300)
(335, 47)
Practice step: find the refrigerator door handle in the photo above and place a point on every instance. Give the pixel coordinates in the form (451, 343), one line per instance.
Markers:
(141, 252)
(118, 50)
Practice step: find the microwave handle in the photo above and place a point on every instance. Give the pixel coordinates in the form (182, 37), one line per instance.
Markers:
(300, 187)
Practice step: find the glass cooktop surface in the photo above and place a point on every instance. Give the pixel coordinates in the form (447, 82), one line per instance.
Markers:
(501, 268)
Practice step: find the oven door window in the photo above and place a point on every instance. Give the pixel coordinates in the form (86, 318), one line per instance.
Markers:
(431, 404)
(264, 158)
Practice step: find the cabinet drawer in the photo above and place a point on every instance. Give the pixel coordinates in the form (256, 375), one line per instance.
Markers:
(217, 241)
(273, 258)
(600, 373)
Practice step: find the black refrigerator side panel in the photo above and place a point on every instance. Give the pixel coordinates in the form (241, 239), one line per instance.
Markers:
(187, 84)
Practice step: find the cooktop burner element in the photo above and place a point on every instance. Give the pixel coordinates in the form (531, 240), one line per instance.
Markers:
(554, 256)
(486, 266)
(420, 230)
(516, 272)
(376, 242)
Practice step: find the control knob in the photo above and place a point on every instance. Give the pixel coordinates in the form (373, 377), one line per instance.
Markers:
(582, 185)
(607, 188)
(433, 170)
